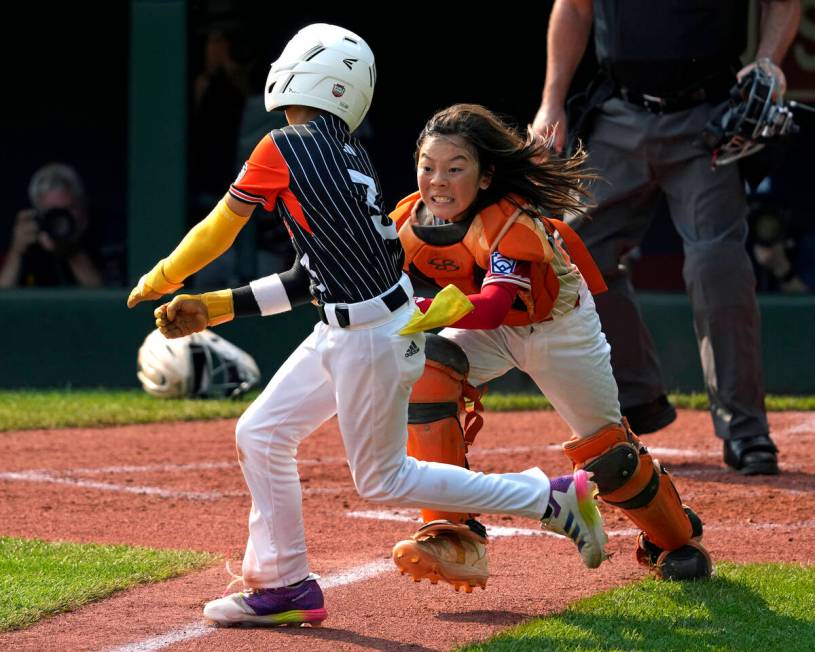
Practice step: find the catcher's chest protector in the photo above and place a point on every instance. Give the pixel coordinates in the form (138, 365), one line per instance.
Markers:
(459, 253)
(434, 430)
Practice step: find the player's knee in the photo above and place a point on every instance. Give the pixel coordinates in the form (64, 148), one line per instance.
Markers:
(244, 433)
(375, 492)
(252, 439)
(383, 485)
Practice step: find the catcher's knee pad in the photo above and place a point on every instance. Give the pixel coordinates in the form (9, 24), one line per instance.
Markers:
(629, 478)
(434, 430)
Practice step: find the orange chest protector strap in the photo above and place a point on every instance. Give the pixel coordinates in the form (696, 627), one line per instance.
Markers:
(579, 253)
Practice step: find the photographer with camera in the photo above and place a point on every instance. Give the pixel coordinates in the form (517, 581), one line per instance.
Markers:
(49, 245)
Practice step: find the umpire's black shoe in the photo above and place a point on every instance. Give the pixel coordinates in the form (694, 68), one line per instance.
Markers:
(752, 455)
(650, 417)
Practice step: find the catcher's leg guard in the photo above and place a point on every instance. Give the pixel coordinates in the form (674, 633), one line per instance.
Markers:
(434, 430)
(689, 562)
(629, 478)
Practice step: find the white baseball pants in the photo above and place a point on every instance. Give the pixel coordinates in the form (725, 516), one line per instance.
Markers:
(567, 357)
(363, 374)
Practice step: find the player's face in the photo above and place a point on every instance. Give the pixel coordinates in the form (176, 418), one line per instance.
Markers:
(449, 177)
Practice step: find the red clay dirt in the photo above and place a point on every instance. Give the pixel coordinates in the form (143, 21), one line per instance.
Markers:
(179, 486)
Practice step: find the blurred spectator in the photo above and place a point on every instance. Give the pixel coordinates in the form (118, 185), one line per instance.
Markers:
(49, 242)
(219, 94)
(263, 247)
(773, 242)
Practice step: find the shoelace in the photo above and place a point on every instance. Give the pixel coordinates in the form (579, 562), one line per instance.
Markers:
(235, 579)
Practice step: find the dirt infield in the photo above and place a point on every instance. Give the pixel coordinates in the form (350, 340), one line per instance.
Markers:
(179, 486)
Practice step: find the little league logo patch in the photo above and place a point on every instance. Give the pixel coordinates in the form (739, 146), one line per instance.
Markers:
(338, 90)
(501, 264)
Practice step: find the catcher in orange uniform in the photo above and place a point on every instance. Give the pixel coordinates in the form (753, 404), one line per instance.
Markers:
(477, 221)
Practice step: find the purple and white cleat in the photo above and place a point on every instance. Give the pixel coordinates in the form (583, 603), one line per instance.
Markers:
(572, 512)
(290, 605)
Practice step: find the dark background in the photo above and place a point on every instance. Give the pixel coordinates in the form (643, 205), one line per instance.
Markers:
(65, 83)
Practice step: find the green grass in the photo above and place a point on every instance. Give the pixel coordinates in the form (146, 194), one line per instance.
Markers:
(38, 578)
(508, 402)
(21, 410)
(756, 607)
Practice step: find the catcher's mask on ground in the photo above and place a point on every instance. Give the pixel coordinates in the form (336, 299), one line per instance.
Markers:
(755, 114)
(202, 365)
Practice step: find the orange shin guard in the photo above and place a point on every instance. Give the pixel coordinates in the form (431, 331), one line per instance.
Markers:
(629, 478)
(437, 399)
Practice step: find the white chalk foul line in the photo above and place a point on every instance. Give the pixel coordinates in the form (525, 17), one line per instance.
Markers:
(494, 531)
(43, 476)
(198, 629)
(154, 468)
(143, 490)
(183, 633)
(63, 477)
(475, 452)
(194, 466)
(805, 427)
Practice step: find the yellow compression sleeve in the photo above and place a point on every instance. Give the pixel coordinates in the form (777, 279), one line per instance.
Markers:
(448, 306)
(207, 240)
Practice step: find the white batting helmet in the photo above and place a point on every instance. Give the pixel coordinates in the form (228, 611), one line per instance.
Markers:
(325, 67)
(201, 365)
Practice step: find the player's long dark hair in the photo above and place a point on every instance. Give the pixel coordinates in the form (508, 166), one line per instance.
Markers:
(524, 166)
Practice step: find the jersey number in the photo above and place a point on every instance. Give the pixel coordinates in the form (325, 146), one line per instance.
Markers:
(382, 223)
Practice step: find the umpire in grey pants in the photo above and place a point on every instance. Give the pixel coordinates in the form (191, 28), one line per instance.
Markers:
(667, 71)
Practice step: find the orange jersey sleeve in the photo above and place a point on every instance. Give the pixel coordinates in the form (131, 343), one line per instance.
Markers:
(263, 177)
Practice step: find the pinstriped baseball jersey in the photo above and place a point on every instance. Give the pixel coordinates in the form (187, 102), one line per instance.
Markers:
(320, 181)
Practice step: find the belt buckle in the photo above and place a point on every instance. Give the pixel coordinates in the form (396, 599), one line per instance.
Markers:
(341, 315)
(321, 312)
(653, 103)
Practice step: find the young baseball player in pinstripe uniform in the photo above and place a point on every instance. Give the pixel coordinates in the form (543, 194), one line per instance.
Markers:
(360, 362)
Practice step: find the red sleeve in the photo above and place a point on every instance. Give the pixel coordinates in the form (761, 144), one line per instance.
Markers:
(263, 177)
(492, 305)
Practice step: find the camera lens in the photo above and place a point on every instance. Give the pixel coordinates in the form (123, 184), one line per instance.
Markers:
(59, 224)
